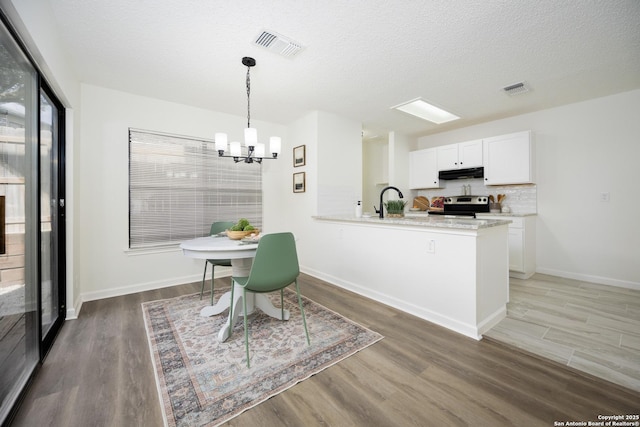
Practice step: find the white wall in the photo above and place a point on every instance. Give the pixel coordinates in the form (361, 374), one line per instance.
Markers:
(399, 147)
(105, 266)
(375, 171)
(582, 150)
(339, 164)
(385, 163)
(333, 179)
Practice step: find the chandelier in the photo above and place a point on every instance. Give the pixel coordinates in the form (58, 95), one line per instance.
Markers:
(255, 150)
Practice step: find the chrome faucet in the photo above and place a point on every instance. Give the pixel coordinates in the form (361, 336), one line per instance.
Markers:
(381, 211)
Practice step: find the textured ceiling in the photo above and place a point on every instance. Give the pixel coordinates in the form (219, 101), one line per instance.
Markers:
(360, 57)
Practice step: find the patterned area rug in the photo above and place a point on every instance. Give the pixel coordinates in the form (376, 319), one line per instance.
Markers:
(204, 382)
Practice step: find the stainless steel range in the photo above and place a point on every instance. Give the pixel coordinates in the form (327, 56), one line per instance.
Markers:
(464, 206)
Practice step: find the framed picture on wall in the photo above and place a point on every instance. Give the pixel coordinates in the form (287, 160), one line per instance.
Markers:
(299, 157)
(298, 182)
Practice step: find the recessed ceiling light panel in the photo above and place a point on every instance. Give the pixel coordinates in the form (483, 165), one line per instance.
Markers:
(422, 109)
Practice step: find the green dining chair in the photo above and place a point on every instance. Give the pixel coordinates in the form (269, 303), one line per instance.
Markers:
(275, 267)
(216, 227)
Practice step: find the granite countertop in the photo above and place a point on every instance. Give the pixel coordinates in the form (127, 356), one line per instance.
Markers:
(423, 221)
(497, 214)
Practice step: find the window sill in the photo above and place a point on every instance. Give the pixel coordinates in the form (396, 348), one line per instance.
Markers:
(151, 251)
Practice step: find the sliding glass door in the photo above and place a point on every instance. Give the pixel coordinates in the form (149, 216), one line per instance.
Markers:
(32, 285)
(19, 329)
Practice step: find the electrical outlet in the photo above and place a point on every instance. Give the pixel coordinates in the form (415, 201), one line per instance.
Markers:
(431, 246)
(604, 197)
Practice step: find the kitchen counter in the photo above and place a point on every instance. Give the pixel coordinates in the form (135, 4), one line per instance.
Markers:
(422, 214)
(501, 214)
(424, 220)
(450, 271)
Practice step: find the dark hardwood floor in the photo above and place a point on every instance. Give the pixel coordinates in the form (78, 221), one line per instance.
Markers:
(12, 351)
(99, 373)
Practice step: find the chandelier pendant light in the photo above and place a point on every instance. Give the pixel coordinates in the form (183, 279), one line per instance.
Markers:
(255, 150)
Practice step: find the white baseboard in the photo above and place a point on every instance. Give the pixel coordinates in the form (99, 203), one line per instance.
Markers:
(468, 330)
(72, 312)
(589, 278)
(140, 287)
(492, 320)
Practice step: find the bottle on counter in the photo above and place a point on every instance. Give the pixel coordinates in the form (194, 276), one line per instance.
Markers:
(359, 210)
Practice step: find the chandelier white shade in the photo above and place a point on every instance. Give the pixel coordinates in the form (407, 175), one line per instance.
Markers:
(275, 143)
(250, 137)
(255, 150)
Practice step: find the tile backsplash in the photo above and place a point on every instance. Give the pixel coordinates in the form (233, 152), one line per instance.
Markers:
(522, 199)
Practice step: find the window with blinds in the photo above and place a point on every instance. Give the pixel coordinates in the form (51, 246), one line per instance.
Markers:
(178, 186)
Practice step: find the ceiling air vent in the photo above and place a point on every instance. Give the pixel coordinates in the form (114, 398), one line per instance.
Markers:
(516, 88)
(278, 43)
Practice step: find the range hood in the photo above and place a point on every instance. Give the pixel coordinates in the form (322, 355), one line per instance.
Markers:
(462, 173)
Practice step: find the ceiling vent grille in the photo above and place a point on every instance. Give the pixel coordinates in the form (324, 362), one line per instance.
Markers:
(516, 88)
(278, 43)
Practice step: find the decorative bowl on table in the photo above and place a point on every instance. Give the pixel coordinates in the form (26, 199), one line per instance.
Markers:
(237, 235)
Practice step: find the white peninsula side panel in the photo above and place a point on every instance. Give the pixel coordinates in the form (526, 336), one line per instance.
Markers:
(455, 278)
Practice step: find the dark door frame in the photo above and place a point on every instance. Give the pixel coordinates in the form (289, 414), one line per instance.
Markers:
(59, 252)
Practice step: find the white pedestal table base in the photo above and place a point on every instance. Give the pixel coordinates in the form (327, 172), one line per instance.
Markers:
(241, 268)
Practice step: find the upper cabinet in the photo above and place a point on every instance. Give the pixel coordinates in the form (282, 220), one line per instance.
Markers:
(423, 169)
(459, 156)
(470, 154)
(509, 159)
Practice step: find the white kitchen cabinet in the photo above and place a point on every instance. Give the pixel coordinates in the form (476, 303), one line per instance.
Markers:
(470, 153)
(423, 169)
(462, 155)
(509, 159)
(522, 244)
(447, 157)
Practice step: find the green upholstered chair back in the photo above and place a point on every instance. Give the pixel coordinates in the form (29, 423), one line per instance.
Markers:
(220, 226)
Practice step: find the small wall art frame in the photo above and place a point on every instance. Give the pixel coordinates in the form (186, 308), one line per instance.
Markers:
(299, 183)
(299, 156)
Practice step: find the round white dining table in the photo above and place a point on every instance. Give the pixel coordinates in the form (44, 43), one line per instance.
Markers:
(241, 254)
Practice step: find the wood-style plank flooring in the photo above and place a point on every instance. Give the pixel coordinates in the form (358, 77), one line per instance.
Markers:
(590, 327)
(12, 351)
(99, 373)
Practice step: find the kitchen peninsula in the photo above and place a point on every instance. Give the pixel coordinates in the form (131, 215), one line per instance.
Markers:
(450, 271)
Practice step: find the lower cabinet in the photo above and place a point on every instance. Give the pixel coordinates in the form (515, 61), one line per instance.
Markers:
(522, 244)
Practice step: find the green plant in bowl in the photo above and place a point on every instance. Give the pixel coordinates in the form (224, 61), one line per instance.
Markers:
(395, 208)
(242, 225)
(241, 229)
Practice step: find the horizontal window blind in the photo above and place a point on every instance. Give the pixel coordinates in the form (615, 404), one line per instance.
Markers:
(178, 186)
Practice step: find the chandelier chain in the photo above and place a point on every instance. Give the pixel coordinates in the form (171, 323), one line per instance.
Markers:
(248, 98)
